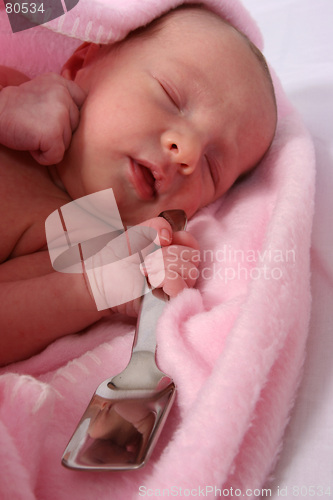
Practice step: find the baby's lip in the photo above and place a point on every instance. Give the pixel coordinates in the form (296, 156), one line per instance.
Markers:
(142, 178)
(157, 172)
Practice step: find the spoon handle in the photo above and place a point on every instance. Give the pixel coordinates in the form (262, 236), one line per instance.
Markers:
(154, 301)
(152, 306)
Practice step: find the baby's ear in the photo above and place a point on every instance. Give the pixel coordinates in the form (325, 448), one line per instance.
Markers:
(82, 56)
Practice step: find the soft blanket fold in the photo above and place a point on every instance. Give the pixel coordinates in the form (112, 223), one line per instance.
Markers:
(234, 345)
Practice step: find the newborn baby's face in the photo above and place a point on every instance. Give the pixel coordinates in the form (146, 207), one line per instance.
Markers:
(171, 119)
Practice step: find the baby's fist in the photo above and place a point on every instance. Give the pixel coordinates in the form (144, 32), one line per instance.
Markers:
(179, 264)
(40, 116)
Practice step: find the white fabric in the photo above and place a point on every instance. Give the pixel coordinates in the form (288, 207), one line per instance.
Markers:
(298, 39)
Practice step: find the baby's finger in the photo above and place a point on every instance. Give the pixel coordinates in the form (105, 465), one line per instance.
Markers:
(156, 279)
(160, 268)
(174, 287)
(163, 229)
(74, 116)
(185, 238)
(38, 156)
(50, 155)
(66, 135)
(181, 254)
(186, 270)
(172, 282)
(77, 93)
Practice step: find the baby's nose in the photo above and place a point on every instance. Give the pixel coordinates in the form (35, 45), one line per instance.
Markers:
(183, 150)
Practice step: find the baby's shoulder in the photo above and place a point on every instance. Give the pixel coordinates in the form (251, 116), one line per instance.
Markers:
(27, 197)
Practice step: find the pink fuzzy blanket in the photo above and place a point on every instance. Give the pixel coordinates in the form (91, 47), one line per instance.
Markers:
(234, 345)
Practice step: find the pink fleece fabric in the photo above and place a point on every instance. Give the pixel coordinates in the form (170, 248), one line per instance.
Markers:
(234, 346)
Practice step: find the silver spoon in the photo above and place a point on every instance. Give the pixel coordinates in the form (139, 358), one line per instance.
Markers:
(125, 416)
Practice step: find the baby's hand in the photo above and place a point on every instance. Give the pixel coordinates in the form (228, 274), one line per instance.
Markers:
(179, 261)
(40, 116)
(117, 281)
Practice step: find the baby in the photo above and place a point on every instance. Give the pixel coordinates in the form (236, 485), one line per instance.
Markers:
(169, 118)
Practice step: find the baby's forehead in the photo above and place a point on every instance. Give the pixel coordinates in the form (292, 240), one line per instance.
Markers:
(188, 18)
(198, 37)
(200, 29)
(198, 21)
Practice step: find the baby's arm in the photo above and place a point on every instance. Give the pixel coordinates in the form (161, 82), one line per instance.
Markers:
(39, 305)
(38, 115)
(36, 308)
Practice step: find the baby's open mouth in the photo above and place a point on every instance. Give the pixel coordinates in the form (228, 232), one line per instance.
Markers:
(143, 180)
